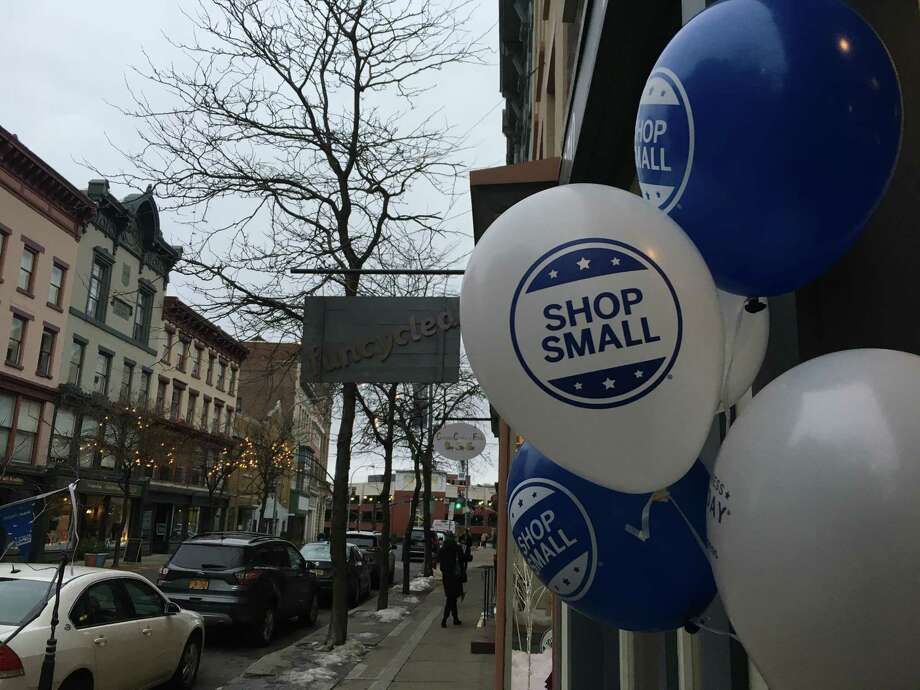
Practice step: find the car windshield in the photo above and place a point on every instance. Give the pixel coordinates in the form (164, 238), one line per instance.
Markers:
(208, 557)
(20, 598)
(362, 541)
(318, 551)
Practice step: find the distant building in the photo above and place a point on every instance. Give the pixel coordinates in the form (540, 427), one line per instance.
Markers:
(270, 385)
(196, 392)
(42, 218)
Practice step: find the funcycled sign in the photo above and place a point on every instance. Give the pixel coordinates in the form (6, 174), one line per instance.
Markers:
(459, 441)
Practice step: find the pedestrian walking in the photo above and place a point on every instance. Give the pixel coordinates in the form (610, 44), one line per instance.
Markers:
(450, 558)
(483, 540)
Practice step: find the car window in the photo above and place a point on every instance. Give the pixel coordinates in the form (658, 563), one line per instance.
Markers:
(98, 605)
(208, 557)
(317, 551)
(363, 541)
(20, 598)
(263, 557)
(295, 560)
(144, 599)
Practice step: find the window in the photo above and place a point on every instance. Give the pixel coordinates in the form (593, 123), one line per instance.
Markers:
(210, 378)
(56, 286)
(127, 381)
(161, 396)
(191, 408)
(62, 437)
(228, 421)
(167, 350)
(103, 371)
(99, 605)
(46, 352)
(232, 381)
(143, 395)
(98, 290)
(27, 269)
(184, 346)
(17, 337)
(205, 413)
(196, 365)
(142, 312)
(218, 412)
(4, 240)
(144, 600)
(24, 429)
(77, 353)
(221, 375)
(175, 406)
(88, 434)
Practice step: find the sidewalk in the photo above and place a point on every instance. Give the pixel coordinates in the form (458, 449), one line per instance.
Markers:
(402, 648)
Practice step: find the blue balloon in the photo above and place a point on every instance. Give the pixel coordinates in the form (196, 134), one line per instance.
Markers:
(769, 129)
(586, 544)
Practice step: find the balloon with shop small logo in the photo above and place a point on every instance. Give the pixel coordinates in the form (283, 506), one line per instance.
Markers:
(589, 546)
(592, 324)
(769, 129)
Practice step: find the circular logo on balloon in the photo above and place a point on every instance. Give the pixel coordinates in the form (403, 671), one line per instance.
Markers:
(555, 535)
(664, 139)
(596, 323)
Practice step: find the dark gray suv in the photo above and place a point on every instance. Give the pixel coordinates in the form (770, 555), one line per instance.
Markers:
(241, 578)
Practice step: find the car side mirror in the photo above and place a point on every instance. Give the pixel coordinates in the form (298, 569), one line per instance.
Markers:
(172, 608)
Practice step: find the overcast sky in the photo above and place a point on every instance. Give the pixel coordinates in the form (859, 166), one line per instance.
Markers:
(66, 68)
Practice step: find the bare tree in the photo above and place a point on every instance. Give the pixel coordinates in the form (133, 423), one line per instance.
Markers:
(307, 110)
(266, 453)
(386, 437)
(127, 440)
(217, 465)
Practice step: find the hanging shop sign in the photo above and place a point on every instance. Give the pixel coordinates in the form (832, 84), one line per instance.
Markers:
(381, 340)
(459, 441)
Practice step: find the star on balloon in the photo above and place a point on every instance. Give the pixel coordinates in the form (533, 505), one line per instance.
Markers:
(583, 263)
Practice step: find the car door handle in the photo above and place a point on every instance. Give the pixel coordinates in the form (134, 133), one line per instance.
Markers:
(147, 631)
(100, 642)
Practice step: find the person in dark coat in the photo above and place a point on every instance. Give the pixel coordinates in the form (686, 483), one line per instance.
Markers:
(449, 561)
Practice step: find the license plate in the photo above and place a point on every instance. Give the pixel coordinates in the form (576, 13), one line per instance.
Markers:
(197, 584)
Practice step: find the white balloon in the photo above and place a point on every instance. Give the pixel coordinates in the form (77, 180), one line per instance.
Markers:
(814, 517)
(746, 337)
(592, 323)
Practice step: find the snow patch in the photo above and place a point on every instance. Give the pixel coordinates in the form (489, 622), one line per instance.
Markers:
(393, 614)
(347, 653)
(320, 675)
(421, 584)
(541, 665)
(409, 599)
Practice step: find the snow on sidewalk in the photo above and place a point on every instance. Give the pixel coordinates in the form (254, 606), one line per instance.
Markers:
(422, 584)
(393, 614)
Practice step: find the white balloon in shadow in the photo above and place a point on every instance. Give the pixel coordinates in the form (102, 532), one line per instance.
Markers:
(746, 328)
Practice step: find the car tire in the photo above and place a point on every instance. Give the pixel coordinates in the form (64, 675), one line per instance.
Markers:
(81, 680)
(263, 631)
(189, 663)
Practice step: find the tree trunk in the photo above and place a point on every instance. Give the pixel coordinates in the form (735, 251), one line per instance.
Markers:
(339, 620)
(413, 511)
(426, 510)
(260, 521)
(383, 593)
(125, 507)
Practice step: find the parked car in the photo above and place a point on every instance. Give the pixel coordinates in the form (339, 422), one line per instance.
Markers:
(241, 578)
(417, 544)
(116, 631)
(369, 543)
(319, 557)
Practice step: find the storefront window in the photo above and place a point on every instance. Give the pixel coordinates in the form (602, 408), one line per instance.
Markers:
(178, 520)
(116, 513)
(60, 519)
(194, 517)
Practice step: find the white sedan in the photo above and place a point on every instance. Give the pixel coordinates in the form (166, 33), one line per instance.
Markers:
(116, 631)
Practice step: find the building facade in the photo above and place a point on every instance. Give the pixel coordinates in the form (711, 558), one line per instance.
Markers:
(572, 74)
(271, 387)
(195, 392)
(109, 350)
(42, 220)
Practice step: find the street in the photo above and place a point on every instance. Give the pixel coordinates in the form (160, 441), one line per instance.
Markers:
(229, 651)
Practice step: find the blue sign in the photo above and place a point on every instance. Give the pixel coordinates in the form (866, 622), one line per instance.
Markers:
(664, 139)
(585, 544)
(596, 323)
(769, 129)
(16, 525)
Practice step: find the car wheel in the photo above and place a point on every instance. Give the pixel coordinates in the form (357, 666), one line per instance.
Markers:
(187, 670)
(264, 628)
(81, 680)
